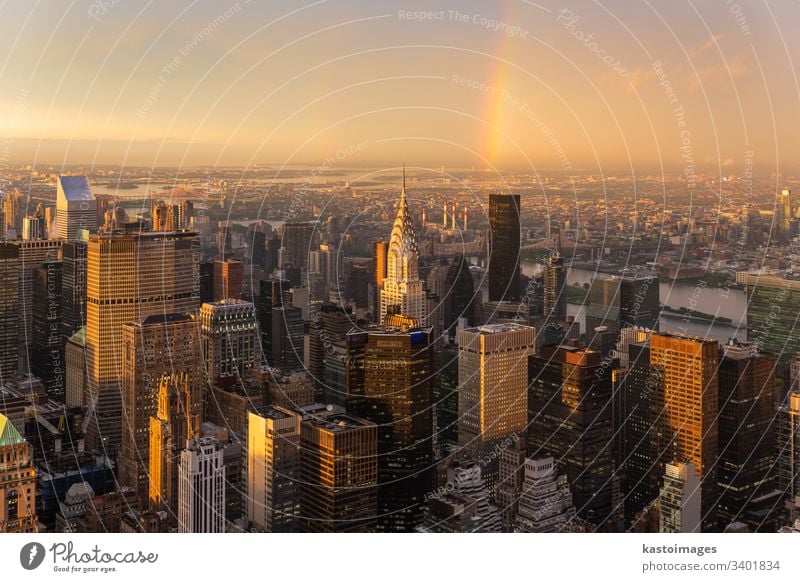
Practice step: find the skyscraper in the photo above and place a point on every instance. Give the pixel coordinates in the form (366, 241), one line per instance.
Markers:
(380, 258)
(32, 254)
(153, 347)
(273, 455)
(17, 481)
(229, 334)
(504, 225)
(338, 477)
(76, 207)
(493, 389)
(688, 410)
(620, 302)
(746, 434)
(286, 348)
(788, 446)
(772, 304)
(460, 298)
(201, 487)
(784, 215)
(403, 291)
(228, 275)
(170, 428)
(679, 500)
(464, 505)
(397, 397)
(9, 309)
(73, 287)
(570, 420)
(121, 288)
(445, 397)
(545, 502)
(638, 412)
(555, 293)
(47, 353)
(296, 243)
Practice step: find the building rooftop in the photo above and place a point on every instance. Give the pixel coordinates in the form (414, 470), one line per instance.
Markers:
(9, 435)
(75, 188)
(163, 318)
(492, 328)
(332, 418)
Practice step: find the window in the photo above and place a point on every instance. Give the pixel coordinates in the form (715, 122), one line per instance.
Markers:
(12, 502)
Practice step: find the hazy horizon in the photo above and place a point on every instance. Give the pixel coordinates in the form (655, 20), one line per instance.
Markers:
(570, 87)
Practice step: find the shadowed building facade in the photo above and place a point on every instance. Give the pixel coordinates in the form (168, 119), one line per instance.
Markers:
(338, 471)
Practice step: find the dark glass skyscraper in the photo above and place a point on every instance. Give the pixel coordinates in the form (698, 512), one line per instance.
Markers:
(504, 224)
(397, 397)
(570, 420)
(555, 295)
(746, 436)
(461, 297)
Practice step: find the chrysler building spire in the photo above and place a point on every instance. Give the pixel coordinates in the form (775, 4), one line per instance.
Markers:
(403, 291)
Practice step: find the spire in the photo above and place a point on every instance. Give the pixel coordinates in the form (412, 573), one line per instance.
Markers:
(404, 177)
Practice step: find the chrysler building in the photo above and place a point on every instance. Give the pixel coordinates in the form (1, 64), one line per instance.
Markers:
(403, 292)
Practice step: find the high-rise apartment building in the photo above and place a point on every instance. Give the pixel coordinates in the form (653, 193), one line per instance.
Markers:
(273, 454)
(493, 389)
(338, 476)
(504, 226)
(403, 291)
(129, 277)
(201, 487)
(76, 207)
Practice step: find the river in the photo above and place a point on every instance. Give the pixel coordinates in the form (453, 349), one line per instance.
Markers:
(732, 305)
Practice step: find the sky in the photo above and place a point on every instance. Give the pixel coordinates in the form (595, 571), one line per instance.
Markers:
(574, 85)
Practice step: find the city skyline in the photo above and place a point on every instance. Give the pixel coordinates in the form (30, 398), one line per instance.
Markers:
(367, 267)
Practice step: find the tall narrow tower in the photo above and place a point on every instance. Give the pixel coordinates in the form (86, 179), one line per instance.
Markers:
(403, 292)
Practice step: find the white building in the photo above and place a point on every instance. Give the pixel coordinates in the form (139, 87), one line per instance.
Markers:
(201, 487)
(76, 207)
(679, 500)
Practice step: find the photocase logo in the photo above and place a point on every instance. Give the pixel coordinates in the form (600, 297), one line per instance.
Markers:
(31, 555)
